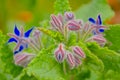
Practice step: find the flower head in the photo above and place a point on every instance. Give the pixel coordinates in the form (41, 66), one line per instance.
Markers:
(98, 27)
(20, 38)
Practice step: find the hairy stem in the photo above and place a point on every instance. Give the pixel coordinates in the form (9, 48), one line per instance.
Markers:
(64, 68)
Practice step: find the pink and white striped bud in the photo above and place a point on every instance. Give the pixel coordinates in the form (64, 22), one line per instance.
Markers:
(70, 60)
(73, 25)
(36, 35)
(77, 61)
(56, 22)
(69, 16)
(60, 53)
(60, 18)
(78, 51)
(99, 39)
(23, 59)
(86, 27)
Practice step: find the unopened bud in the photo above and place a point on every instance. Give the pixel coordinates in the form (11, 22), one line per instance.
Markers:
(71, 60)
(77, 61)
(60, 53)
(99, 39)
(56, 22)
(69, 16)
(78, 51)
(73, 25)
(22, 59)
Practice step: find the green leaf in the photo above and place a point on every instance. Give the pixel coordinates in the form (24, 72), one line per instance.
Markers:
(113, 36)
(3, 77)
(24, 76)
(94, 8)
(55, 35)
(44, 67)
(91, 60)
(2, 40)
(112, 75)
(61, 6)
(6, 58)
(110, 58)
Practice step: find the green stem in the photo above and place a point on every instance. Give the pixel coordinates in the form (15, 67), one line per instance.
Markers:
(87, 34)
(64, 68)
(36, 49)
(78, 35)
(65, 34)
(40, 42)
(33, 46)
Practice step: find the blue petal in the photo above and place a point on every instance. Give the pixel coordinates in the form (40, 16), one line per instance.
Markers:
(16, 52)
(27, 34)
(21, 48)
(16, 31)
(92, 20)
(100, 21)
(101, 30)
(12, 40)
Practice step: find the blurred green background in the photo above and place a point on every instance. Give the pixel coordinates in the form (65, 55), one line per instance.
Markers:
(30, 12)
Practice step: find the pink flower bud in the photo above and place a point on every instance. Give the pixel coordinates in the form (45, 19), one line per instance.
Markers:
(71, 60)
(73, 25)
(77, 61)
(60, 17)
(56, 22)
(78, 51)
(99, 39)
(22, 59)
(60, 53)
(69, 16)
(36, 35)
(86, 27)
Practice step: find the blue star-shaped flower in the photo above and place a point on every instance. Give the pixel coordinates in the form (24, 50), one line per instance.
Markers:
(99, 28)
(20, 38)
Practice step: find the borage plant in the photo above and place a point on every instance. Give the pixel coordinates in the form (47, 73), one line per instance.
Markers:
(75, 48)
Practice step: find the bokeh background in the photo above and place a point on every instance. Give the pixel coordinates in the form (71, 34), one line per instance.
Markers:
(33, 12)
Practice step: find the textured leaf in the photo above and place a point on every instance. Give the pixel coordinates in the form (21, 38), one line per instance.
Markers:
(6, 58)
(110, 58)
(91, 60)
(94, 8)
(113, 36)
(24, 76)
(3, 77)
(44, 67)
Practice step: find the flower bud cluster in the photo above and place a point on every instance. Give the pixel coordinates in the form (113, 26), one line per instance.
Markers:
(73, 58)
